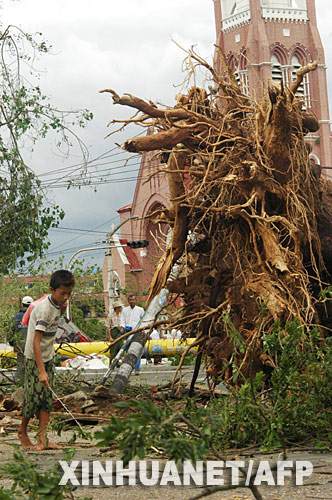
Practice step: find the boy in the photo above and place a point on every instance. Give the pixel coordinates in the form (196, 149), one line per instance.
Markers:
(39, 358)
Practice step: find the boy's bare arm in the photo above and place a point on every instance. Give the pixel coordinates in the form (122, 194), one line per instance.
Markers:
(43, 377)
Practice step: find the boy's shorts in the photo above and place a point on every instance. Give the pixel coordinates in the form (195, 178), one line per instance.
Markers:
(36, 395)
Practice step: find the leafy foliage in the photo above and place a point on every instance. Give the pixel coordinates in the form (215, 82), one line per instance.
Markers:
(273, 410)
(26, 116)
(86, 292)
(189, 360)
(149, 425)
(28, 481)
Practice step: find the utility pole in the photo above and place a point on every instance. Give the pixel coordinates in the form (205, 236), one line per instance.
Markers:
(110, 272)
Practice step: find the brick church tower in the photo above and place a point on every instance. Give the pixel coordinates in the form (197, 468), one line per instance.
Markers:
(262, 39)
(269, 40)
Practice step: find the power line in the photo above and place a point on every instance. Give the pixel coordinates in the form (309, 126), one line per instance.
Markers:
(89, 162)
(101, 182)
(97, 227)
(72, 172)
(77, 230)
(67, 250)
(97, 173)
(80, 235)
(86, 233)
(112, 181)
(101, 157)
(97, 176)
(95, 166)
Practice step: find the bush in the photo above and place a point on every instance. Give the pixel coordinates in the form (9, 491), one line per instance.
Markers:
(288, 406)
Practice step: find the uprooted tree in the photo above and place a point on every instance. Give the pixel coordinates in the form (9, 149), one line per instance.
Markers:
(251, 216)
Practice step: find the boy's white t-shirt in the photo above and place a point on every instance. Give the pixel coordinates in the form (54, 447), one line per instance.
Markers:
(44, 317)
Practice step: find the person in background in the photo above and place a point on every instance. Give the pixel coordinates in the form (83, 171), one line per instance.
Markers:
(113, 327)
(155, 335)
(130, 316)
(18, 336)
(174, 334)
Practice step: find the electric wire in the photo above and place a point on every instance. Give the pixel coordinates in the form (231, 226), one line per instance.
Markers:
(74, 229)
(80, 235)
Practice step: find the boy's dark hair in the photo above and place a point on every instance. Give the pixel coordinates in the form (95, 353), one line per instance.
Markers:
(62, 277)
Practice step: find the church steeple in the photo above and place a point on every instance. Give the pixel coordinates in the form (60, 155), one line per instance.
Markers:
(269, 40)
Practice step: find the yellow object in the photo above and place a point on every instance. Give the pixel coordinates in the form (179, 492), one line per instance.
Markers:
(164, 347)
(8, 354)
(76, 349)
(168, 347)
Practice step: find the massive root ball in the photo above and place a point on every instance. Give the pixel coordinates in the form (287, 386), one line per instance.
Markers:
(251, 218)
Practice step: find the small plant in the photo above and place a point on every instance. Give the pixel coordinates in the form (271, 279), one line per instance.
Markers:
(29, 482)
(189, 360)
(148, 426)
(6, 362)
(69, 382)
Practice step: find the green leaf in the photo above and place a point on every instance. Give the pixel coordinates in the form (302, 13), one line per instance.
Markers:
(122, 404)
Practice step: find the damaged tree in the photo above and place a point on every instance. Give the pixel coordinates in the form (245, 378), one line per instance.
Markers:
(250, 217)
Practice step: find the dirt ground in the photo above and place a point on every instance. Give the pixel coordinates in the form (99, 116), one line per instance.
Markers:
(318, 486)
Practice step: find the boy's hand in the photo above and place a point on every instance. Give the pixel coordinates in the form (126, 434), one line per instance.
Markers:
(43, 378)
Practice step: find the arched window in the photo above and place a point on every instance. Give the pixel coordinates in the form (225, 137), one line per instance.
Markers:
(232, 62)
(240, 72)
(304, 89)
(243, 72)
(277, 73)
(279, 67)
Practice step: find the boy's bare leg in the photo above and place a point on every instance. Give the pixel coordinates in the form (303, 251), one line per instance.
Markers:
(43, 444)
(23, 434)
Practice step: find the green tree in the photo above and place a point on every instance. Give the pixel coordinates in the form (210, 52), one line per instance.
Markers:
(26, 116)
(88, 292)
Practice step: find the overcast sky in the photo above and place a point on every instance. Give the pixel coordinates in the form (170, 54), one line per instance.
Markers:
(126, 46)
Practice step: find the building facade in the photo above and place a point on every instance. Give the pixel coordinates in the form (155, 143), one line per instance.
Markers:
(134, 267)
(264, 41)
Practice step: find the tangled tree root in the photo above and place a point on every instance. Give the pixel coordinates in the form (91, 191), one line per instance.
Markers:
(250, 217)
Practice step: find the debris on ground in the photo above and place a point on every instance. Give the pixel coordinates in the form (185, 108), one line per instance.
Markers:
(7, 403)
(92, 362)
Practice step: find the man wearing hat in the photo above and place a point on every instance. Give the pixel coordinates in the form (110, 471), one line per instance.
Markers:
(113, 328)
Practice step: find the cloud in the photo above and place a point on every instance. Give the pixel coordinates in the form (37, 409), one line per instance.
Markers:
(124, 45)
